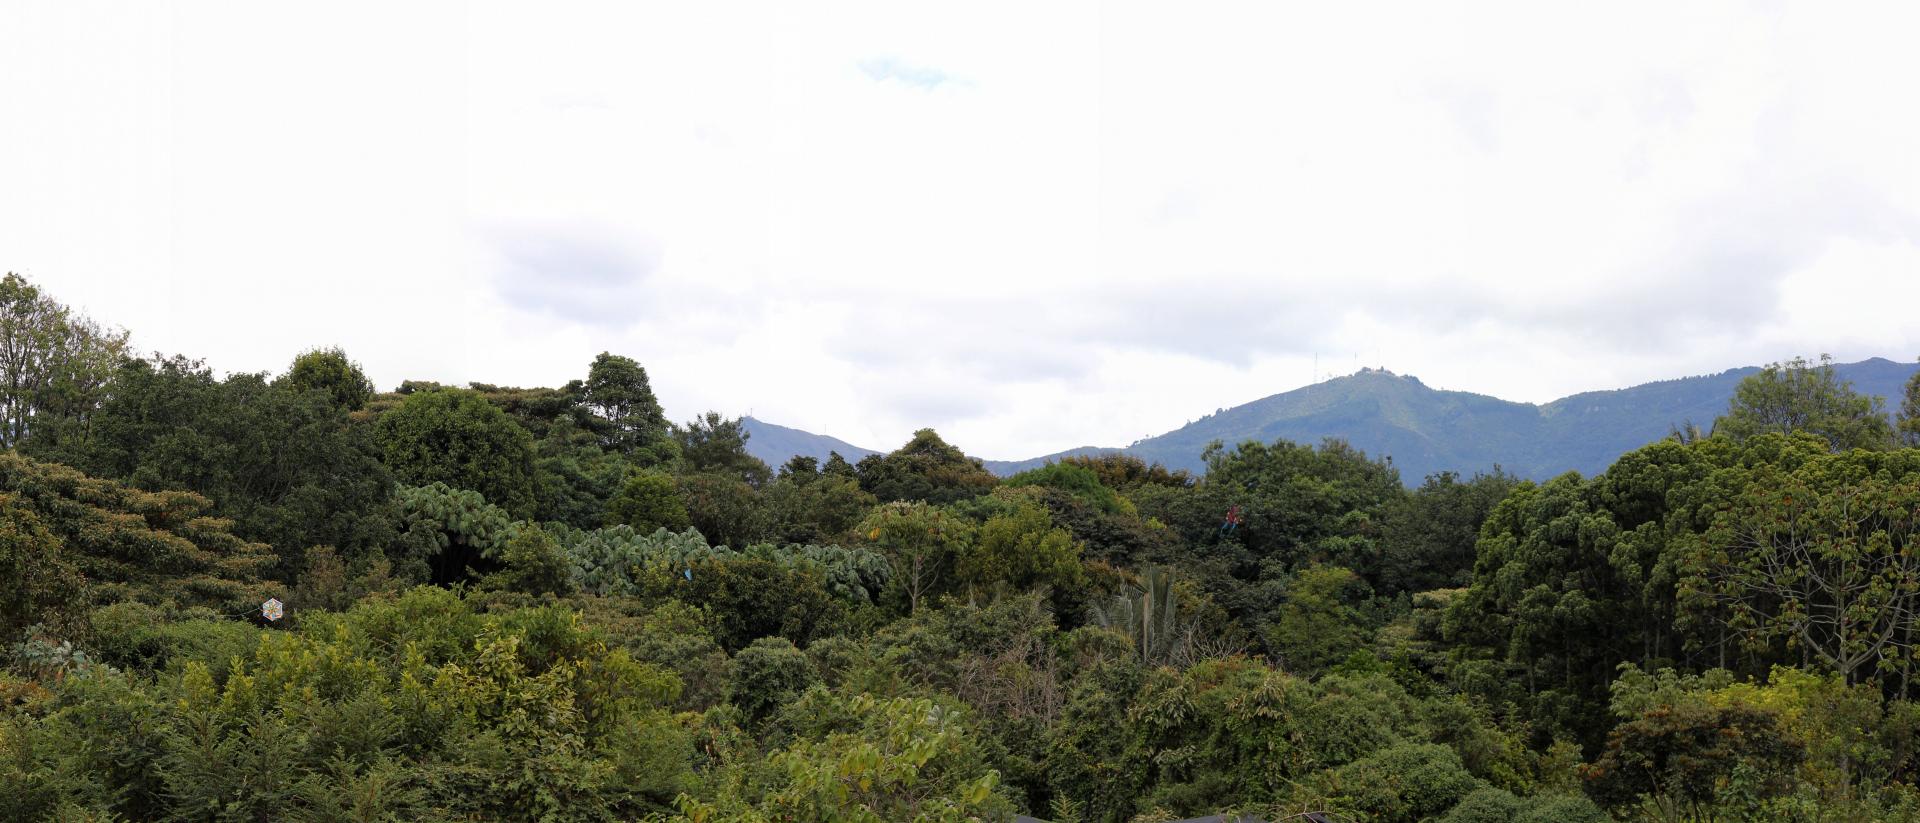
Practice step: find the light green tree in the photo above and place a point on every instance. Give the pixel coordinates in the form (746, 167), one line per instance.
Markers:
(648, 501)
(1022, 549)
(1798, 395)
(1319, 622)
(922, 542)
(871, 760)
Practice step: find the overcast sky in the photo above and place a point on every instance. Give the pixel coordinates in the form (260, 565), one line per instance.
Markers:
(1032, 226)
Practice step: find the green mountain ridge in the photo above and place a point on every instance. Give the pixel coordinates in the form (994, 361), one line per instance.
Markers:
(1422, 429)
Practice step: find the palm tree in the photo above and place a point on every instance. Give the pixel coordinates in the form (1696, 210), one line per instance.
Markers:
(1149, 616)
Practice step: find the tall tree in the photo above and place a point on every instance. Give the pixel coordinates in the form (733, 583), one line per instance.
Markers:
(1320, 623)
(1824, 558)
(1295, 504)
(816, 508)
(38, 583)
(1548, 616)
(725, 508)
(54, 364)
(574, 477)
(837, 466)
(922, 542)
(618, 392)
(1797, 395)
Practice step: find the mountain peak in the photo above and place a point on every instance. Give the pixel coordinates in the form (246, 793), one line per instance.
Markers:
(1424, 430)
(1369, 373)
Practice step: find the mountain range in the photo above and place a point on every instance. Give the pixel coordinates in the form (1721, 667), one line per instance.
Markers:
(1422, 429)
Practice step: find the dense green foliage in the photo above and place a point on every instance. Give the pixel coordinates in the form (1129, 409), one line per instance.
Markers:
(549, 604)
(927, 469)
(286, 464)
(617, 392)
(456, 437)
(1797, 396)
(330, 371)
(56, 364)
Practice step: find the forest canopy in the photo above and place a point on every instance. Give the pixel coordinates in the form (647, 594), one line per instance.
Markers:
(554, 603)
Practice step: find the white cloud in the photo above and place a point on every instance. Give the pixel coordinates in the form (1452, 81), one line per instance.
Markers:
(1033, 226)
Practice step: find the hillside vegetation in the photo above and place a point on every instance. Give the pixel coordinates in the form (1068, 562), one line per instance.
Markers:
(554, 604)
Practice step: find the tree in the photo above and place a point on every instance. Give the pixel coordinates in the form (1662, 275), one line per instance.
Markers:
(1120, 471)
(1688, 752)
(768, 674)
(1299, 504)
(837, 466)
(415, 708)
(454, 436)
(1909, 425)
(1824, 558)
(1429, 536)
(925, 469)
(711, 444)
(1407, 781)
(1022, 549)
(126, 543)
(800, 468)
(823, 509)
(921, 541)
(648, 501)
(755, 597)
(534, 563)
(289, 466)
(869, 760)
(1076, 480)
(617, 390)
(1149, 615)
(54, 364)
(330, 371)
(1548, 611)
(448, 532)
(38, 584)
(1796, 395)
(574, 479)
(535, 409)
(726, 509)
(1319, 623)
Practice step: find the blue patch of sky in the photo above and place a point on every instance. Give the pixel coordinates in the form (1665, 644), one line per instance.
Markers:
(881, 69)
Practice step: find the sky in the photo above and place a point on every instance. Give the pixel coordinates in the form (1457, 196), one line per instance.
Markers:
(1031, 226)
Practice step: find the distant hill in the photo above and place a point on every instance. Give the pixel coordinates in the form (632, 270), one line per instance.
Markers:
(1426, 430)
(777, 444)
